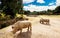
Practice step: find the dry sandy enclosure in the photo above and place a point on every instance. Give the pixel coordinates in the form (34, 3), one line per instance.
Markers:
(38, 30)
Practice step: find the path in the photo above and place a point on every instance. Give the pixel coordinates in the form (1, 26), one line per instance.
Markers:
(38, 30)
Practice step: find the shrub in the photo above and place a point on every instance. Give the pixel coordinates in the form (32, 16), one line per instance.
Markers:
(3, 25)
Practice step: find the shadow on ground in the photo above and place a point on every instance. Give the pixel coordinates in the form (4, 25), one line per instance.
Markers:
(24, 35)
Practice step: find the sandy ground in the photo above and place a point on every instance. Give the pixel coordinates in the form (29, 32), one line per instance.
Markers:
(38, 30)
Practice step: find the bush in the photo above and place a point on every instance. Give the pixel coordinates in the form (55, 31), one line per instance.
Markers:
(3, 25)
(5, 18)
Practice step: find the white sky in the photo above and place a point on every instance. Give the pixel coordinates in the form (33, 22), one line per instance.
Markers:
(27, 1)
(40, 1)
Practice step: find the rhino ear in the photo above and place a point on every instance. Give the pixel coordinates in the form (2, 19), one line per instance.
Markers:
(12, 27)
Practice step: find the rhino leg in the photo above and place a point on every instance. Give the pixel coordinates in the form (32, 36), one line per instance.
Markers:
(20, 30)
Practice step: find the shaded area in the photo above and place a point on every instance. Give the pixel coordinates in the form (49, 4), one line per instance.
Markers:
(24, 35)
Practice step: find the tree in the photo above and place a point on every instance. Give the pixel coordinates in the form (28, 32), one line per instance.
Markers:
(57, 10)
(27, 12)
(11, 7)
(20, 6)
(49, 11)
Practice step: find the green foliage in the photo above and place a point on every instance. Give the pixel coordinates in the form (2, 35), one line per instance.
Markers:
(27, 12)
(57, 10)
(3, 25)
(11, 7)
(3, 18)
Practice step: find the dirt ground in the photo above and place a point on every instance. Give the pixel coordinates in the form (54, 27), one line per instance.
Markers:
(38, 30)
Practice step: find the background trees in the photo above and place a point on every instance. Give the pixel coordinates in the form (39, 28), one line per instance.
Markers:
(11, 7)
(57, 10)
